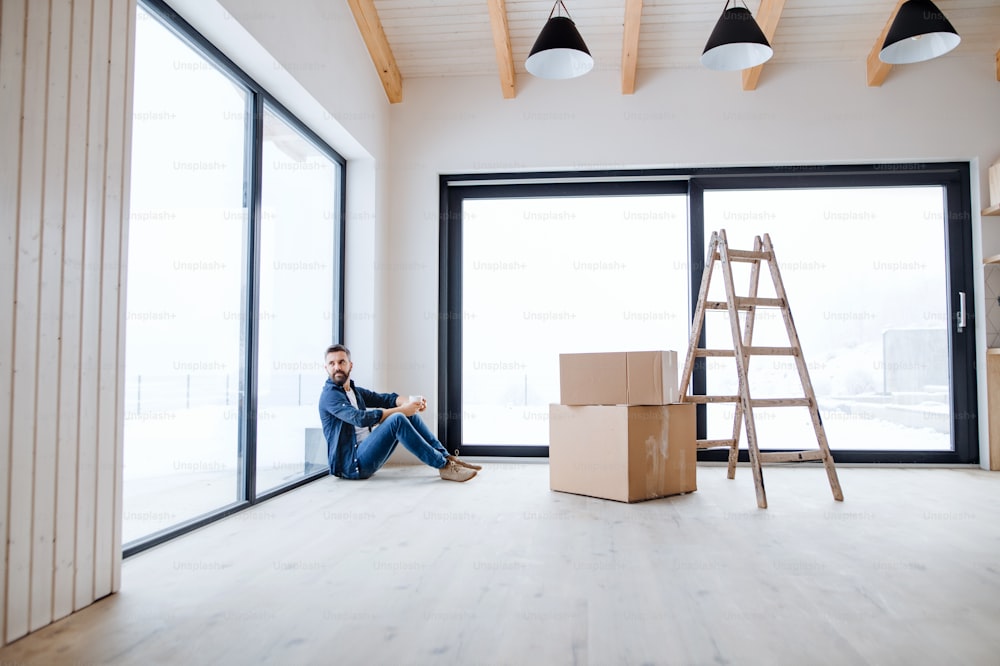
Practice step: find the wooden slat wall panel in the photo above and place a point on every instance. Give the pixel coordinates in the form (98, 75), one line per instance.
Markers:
(69, 393)
(125, 188)
(25, 315)
(65, 105)
(112, 326)
(90, 329)
(49, 312)
(12, 17)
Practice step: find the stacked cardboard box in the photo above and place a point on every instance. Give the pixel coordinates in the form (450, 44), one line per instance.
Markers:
(619, 432)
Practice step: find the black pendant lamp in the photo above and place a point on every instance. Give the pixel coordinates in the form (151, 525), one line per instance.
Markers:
(559, 52)
(919, 32)
(737, 42)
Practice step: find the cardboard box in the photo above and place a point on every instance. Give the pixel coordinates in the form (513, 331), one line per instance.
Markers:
(621, 452)
(995, 185)
(618, 378)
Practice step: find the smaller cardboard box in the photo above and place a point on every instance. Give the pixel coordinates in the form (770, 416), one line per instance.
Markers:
(621, 452)
(618, 378)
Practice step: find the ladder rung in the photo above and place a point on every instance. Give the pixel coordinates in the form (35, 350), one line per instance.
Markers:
(714, 443)
(747, 301)
(750, 351)
(722, 305)
(702, 399)
(745, 255)
(790, 456)
(754, 402)
(772, 351)
(780, 402)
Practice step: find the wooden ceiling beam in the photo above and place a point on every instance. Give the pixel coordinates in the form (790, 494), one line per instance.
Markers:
(501, 42)
(630, 45)
(878, 70)
(366, 16)
(767, 18)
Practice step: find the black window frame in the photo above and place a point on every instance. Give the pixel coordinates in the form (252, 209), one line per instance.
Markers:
(257, 98)
(954, 177)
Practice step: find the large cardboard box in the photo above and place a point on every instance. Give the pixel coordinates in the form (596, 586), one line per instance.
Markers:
(622, 452)
(618, 378)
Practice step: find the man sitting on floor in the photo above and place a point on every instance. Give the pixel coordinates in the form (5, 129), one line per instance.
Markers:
(362, 428)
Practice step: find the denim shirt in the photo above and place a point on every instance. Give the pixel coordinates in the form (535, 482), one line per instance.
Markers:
(340, 417)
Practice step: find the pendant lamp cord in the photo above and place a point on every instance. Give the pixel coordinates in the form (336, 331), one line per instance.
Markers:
(559, 3)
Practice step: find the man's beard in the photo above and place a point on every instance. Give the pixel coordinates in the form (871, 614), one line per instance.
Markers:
(340, 378)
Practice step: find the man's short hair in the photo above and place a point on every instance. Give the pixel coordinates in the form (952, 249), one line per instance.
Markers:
(337, 348)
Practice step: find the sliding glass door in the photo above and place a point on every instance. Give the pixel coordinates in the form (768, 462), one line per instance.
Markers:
(865, 271)
(559, 273)
(876, 261)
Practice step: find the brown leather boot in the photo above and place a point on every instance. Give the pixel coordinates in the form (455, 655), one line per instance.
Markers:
(454, 472)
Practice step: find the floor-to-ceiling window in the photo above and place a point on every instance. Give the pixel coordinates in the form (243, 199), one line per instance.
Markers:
(865, 271)
(875, 259)
(545, 275)
(185, 284)
(297, 297)
(234, 259)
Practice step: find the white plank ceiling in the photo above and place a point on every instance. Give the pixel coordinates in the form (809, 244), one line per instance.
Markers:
(431, 38)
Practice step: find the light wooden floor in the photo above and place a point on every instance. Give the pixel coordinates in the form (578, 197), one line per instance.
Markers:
(407, 569)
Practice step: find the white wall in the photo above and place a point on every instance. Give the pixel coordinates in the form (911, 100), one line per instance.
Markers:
(823, 113)
(65, 126)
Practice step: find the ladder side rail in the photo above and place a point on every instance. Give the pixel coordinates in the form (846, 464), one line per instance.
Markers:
(803, 371)
(748, 328)
(741, 369)
(698, 320)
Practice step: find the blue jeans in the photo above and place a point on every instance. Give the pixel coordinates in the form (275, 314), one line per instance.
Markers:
(412, 432)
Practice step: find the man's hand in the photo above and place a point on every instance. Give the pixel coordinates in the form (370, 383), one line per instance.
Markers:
(419, 400)
(406, 406)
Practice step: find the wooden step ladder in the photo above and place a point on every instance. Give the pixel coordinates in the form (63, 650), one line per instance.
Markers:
(743, 349)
